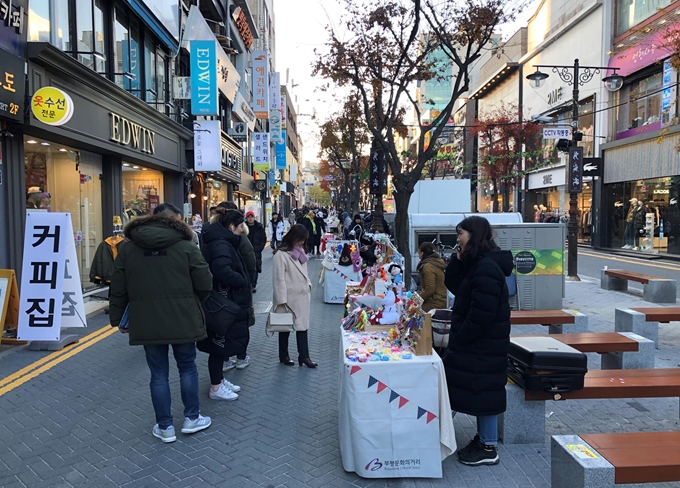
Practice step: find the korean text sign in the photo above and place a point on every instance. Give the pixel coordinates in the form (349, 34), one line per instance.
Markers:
(207, 145)
(261, 84)
(204, 98)
(52, 106)
(575, 170)
(48, 300)
(261, 152)
(281, 152)
(11, 86)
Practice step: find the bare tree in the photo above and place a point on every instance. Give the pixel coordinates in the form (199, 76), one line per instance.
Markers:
(385, 48)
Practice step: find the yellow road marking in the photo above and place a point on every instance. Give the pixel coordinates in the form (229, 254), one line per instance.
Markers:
(643, 263)
(51, 360)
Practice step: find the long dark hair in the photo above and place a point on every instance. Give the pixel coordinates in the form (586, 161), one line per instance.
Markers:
(428, 249)
(228, 217)
(296, 234)
(481, 236)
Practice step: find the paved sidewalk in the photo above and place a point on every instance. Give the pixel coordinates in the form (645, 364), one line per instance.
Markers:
(87, 421)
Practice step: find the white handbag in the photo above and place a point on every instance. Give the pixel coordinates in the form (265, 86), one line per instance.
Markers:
(280, 321)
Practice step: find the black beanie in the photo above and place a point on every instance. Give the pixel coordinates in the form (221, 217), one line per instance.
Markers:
(357, 216)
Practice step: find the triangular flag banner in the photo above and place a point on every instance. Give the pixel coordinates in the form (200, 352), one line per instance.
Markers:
(371, 381)
(421, 412)
(393, 395)
(402, 401)
(354, 370)
(430, 417)
(381, 386)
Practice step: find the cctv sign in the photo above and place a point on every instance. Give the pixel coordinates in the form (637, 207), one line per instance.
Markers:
(556, 134)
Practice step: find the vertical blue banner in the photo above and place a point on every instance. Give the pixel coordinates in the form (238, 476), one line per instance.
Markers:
(272, 177)
(204, 96)
(281, 152)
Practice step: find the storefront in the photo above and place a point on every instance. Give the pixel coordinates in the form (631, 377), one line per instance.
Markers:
(115, 156)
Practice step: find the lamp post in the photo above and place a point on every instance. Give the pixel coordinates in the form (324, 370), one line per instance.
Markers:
(575, 76)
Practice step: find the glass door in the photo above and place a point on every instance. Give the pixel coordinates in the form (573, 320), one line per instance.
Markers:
(90, 230)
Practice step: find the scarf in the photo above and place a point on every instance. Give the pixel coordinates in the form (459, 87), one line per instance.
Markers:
(311, 219)
(299, 254)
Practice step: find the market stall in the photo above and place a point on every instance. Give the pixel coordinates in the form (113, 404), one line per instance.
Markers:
(341, 264)
(395, 418)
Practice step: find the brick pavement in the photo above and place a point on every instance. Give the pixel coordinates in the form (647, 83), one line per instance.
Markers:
(86, 422)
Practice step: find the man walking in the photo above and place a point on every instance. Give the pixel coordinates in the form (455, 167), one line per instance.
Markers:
(258, 238)
(160, 280)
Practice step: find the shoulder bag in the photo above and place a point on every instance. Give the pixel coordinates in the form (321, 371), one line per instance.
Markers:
(220, 312)
(281, 321)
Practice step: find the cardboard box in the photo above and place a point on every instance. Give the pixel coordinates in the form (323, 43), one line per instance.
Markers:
(424, 345)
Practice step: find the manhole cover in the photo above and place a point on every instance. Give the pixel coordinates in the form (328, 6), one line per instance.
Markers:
(262, 307)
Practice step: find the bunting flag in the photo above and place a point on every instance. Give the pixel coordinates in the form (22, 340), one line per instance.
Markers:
(337, 271)
(429, 416)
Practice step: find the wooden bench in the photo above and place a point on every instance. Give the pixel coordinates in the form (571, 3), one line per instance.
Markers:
(654, 288)
(645, 321)
(603, 460)
(618, 350)
(559, 321)
(524, 419)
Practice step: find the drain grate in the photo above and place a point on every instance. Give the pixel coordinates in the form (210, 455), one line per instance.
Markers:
(262, 307)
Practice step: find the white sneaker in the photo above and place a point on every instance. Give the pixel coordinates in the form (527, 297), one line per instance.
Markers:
(636, 248)
(231, 386)
(243, 364)
(223, 393)
(196, 425)
(229, 365)
(627, 246)
(166, 435)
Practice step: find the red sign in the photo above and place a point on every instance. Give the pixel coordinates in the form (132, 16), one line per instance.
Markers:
(243, 27)
(153, 202)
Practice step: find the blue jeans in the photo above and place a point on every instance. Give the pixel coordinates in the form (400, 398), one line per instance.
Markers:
(157, 359)
(487, 426)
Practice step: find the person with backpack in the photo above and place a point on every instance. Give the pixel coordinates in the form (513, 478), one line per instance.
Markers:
(258, 238)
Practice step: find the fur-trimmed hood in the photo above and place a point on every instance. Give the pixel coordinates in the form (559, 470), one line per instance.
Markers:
(157, 232)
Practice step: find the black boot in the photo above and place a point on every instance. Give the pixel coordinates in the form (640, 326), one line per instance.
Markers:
(303, 350)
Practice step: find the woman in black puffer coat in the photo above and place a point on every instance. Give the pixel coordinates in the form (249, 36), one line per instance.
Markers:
(476, 360)
(230, 278)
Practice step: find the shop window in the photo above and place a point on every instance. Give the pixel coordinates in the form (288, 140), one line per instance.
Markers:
(645, 109)
(630, 13)
(142, 191)
(63, 179)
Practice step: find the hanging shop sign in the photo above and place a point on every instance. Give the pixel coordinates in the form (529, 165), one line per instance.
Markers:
(207, 145)
(52, 106)
(204, 98)
(12, 22)
(668, 94)
(275, 107)
(575, 170)
(261, 84)
(50, 296)
(244, 112)
(240, 132)
(378, 176)
(281, 153)
(592, 167)
(547, 178)
(242, 26)
(131, 134)
(260, 185)
(261, 152)
(11, 87)
(182, 87)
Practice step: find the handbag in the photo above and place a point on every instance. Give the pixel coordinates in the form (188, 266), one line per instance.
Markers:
(220, 312)
(280, 321)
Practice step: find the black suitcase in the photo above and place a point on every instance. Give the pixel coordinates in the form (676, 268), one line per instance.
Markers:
(546, 364)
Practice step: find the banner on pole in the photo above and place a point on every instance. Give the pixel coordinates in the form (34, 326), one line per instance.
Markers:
(261, 152)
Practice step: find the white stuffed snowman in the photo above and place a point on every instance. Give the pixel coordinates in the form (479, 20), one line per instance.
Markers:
(389, 312)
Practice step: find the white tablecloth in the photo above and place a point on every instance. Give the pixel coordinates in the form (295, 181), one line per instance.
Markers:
(394, 417)
(335, 281)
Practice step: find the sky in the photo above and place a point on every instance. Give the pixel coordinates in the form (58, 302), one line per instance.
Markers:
(300, 28)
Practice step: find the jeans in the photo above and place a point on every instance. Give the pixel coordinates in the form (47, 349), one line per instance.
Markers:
(157, 359)
(487, 427)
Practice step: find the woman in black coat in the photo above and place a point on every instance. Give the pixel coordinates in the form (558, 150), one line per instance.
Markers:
(476, 360)
(230, 278)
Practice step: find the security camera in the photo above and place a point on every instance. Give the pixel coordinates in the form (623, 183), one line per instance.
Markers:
(541, 118)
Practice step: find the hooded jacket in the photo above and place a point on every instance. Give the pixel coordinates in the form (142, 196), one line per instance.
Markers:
(103, 263)
(431, 271)
(230, 276)
(476, 360)
(162, 278)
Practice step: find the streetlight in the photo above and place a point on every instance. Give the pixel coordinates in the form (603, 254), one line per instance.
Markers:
(575, 75)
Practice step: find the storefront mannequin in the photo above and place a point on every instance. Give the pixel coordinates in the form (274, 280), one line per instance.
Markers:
(628, 237)
(541, 215)
(537, 214)
(638, 223)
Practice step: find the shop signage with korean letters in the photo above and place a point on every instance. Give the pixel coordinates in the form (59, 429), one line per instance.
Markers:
(575, 170)
(204, 98)
(131, 134)
(12, 21)
(261, 84)
(261, 153)
(207, 145)
(281, 154)
(274, 107)
(11, 86)
(50, 296)
(242, 25)
(52, 106)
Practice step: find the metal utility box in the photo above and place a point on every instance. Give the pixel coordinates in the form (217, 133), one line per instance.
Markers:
(539, 262)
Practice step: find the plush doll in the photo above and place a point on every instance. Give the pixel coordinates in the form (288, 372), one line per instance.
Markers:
(345, 257)
(395, 273)
(389, 312)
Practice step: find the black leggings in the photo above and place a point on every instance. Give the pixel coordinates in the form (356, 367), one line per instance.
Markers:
(215, 365)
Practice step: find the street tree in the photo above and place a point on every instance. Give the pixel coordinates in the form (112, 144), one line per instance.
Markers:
(504, 143)
(383, 49)
(319, 196)
(343, 146)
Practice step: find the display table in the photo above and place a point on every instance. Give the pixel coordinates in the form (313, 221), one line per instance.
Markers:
(335, 282)
(394, 417)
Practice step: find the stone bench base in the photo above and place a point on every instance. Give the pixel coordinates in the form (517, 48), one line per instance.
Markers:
(643, 358)
(575, 464)
(627, 320)
(580, 325)
(656, 291)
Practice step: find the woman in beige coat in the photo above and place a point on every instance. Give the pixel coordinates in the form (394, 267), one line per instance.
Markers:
(292, 289)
